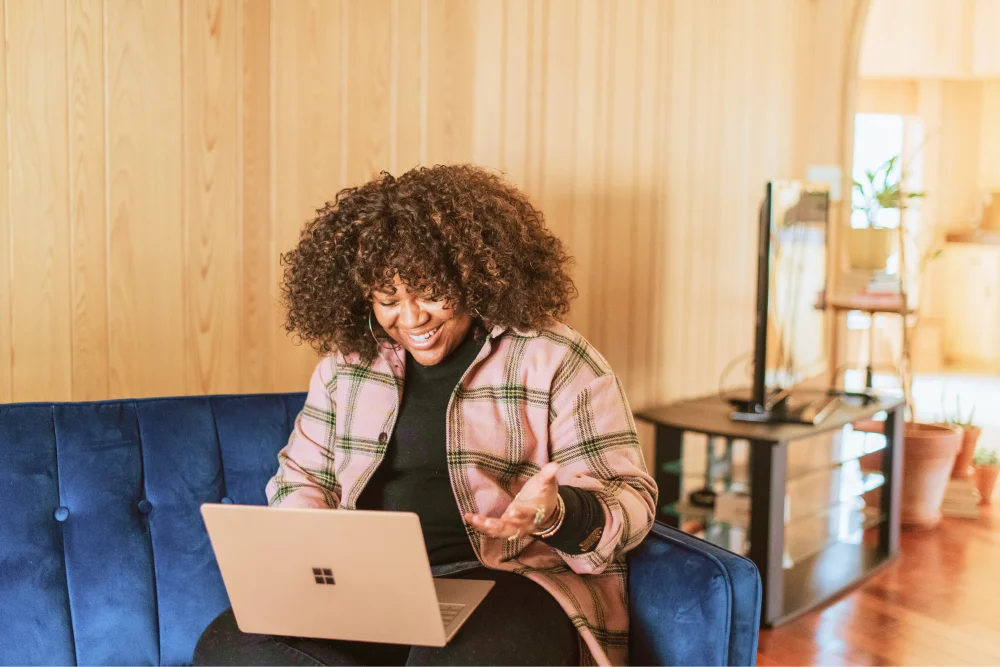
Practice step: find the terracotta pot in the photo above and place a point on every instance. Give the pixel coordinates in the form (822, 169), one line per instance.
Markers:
(929, 453)
(986, 480)
(869, 426)
(963, 462)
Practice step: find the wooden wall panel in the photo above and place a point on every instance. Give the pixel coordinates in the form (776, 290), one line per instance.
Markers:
(204, 134)
(87, 188)
(6, 348)
(887, 96)
(989, 145)
(257, 311)
(985, 20)
(212, 224)
(449, 80)
(308, 147)
(38, 200)
(408, 100)
(368, 71)
(147, 313)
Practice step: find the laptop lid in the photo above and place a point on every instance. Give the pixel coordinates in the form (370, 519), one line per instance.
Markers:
(355, 575)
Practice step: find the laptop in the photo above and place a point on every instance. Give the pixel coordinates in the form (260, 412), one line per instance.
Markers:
(332, 574)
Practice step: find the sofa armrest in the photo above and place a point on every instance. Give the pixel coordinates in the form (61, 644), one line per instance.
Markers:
(691, 602)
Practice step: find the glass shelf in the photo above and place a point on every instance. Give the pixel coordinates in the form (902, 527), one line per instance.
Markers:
(839, 565)
(849, 445)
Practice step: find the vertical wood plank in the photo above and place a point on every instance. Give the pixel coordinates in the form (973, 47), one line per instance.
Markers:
(39, 211)
(146, 246)
(515, 91)
(989, 153)
(585, 104)
(657, 367)
(6, 346)
(555, 177)
(642, 305)
(411, 120)
(306, 75)
(675, 250)
(88, 221)
(487, 141)
(536, 94)
(618, 230)
(212, 248)
(369, 32)
(451, 58)
(258, 258)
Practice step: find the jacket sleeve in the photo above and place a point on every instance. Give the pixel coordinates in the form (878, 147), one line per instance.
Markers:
(306, 474)
(592, 436)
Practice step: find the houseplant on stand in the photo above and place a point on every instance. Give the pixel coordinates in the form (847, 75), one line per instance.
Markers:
(987, 465)
(878, 200)
(929, 450)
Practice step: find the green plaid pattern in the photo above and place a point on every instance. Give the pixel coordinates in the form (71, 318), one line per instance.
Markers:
(528, 398)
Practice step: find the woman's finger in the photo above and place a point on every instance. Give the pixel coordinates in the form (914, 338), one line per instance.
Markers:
(498, 527)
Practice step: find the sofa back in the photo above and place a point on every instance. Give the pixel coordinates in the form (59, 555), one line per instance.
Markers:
(104, 557)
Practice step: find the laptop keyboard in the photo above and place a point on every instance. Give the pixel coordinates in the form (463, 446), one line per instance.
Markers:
(449, 612)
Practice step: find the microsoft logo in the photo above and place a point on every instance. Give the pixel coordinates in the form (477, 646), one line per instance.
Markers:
(323, 575)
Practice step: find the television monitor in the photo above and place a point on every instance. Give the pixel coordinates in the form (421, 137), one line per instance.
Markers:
(790, 330)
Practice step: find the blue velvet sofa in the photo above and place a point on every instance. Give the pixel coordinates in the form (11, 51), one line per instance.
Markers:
(104, 557)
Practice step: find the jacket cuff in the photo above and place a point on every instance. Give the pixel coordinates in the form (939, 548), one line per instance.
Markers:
(583, 524)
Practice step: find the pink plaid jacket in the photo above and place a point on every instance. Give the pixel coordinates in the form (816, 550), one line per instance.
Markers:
(529, 398)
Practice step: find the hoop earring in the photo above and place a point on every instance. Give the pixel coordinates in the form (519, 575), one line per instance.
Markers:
(475, 313)
(390, 346)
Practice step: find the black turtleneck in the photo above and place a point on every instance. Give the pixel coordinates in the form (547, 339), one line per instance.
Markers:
(413, 476)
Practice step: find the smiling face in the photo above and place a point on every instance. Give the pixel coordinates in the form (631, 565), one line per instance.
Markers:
(429, 330)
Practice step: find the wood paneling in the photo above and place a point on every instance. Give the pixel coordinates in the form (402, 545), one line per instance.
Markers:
(947, 39)
(211, 201)
(888, 96)
(203, 134)
(147, 273)
(986, 47)
(309, 144)
(6, 348)
(87, 214)
(38, 200)
(257, 326)
(989, 145)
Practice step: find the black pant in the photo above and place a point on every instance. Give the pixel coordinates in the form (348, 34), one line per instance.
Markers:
(518, 623)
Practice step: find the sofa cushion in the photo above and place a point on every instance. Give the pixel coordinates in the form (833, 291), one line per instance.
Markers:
(112, 564)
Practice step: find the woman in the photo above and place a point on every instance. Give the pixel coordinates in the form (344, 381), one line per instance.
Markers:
(449, 388)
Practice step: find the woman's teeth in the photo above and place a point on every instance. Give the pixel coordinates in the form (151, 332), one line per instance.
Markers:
(426, 335)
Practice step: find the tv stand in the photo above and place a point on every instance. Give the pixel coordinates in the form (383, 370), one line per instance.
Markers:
(787, 407)
(783, 460)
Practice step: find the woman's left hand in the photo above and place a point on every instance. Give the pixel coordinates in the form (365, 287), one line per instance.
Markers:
(518, 520)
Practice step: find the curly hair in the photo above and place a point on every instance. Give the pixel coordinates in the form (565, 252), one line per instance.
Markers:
(458, 232)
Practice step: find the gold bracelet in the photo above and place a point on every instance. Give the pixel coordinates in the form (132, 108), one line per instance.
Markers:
(560, 515)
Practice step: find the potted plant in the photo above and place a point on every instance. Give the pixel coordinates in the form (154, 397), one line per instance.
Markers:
(878, 198)
(929, 450)
(970, 437)
(987, 465)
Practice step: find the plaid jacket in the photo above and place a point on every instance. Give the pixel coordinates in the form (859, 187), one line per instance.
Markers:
(528, 398)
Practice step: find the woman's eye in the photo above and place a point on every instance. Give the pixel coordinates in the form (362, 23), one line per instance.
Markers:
(387, 304)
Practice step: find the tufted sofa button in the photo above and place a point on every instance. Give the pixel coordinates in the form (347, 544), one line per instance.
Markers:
(61, 514)
(226, 500)
(145, 507)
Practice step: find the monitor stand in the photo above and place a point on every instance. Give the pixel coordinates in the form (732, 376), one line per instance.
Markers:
(786, 407)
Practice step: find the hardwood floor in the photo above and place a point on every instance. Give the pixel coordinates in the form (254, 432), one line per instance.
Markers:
(938, 604)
